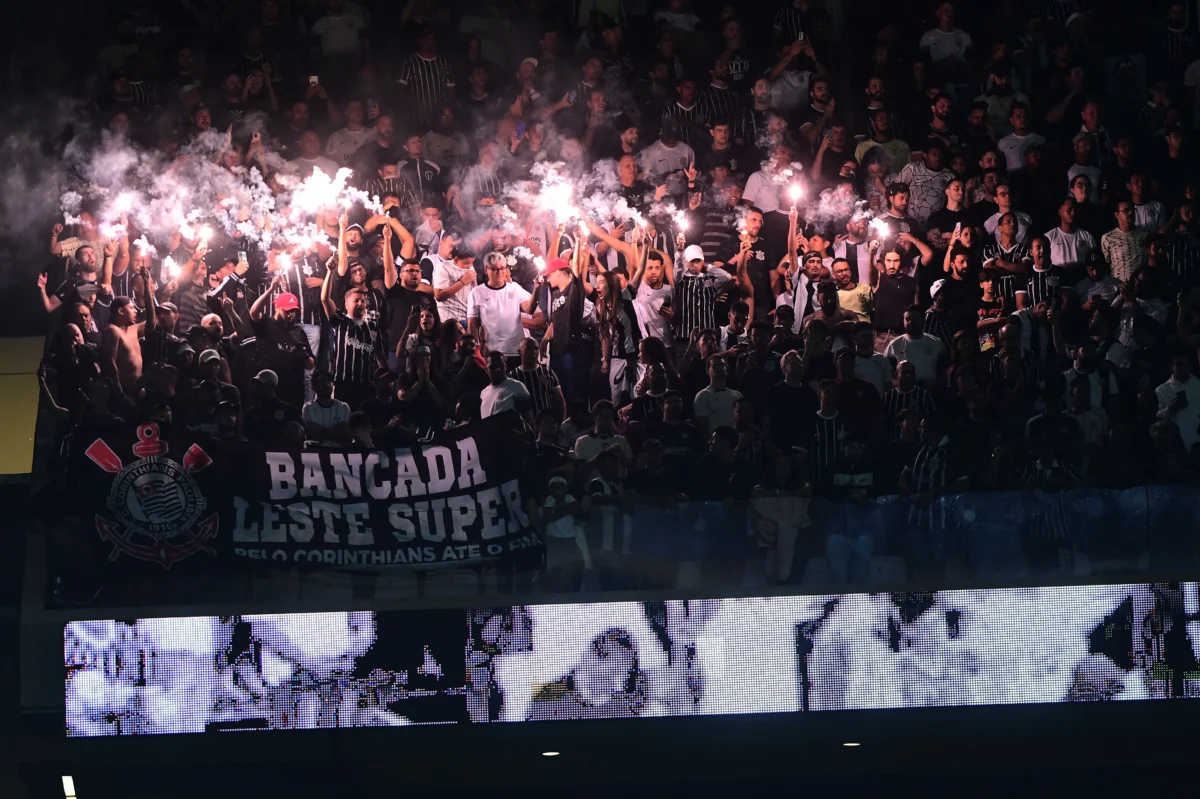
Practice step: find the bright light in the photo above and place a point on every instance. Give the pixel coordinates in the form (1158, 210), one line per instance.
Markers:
(171, 267)
(544, 754)
(68, 787)
(794, 192)
(879, 227)
(206, 233)
(851, 744)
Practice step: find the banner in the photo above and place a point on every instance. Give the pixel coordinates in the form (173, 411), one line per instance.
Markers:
(452, 500)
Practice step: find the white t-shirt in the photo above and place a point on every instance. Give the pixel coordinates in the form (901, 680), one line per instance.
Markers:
(343, 144)
(1013, 147)
(445, 274)
(1106, 288)
(876, 369)
(1070, 250)
(658, 159)
(499, 311)
(943, 44)
(923, 353)
(304, 166)
(340, 35)
(761, 191)
(647, 304)
(505, 396)
(564, 526)
(715, 406)
(316, 413)
(1024, 223)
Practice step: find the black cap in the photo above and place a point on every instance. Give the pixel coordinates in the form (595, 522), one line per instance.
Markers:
(899, 187)
(1176, 128)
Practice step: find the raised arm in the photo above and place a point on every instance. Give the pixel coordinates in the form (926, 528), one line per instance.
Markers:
(923, 248)
(55, 244)
(389, 260)
(327, 301)
(343, 260)
(49, 302)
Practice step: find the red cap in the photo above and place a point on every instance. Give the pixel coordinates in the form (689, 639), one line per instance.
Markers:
(287, 301)
(556, 264)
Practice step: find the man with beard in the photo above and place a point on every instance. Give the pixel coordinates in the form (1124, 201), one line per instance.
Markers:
(281, 345)
(81, 285)
(854, 248)
(379, 151)
(755, 263)
(423, 176)
(883, 137)
(941, 130)
(894, 292)
(406, 294)
(357, 350)
(816, 120)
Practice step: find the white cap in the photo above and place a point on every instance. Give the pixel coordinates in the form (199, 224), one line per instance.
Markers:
(936, 287)
(693, 253)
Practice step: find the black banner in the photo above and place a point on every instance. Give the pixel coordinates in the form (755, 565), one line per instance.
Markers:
(452, 500)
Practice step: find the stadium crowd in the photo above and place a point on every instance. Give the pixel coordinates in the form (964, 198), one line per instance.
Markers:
(843, 249)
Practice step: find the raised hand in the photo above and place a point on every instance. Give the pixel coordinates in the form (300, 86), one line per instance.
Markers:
(41, 280)
(57, 229)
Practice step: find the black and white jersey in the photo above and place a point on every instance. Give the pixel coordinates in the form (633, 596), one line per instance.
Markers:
(1010, 283)
(695, 299)
(311, 312)
(828, 435)
(542, 385)
(789, 22)
(352, 349)
(691, 121)
(478, 182)
(1044, 286)
(623, 332)
(722, 103)
(423, 176)
(916, 399)
(1183, 256)
(430, 80)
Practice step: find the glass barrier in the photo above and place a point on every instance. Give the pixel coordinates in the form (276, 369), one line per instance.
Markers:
(959, 540)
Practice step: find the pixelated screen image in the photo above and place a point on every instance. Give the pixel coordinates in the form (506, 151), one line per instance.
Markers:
(632, 659)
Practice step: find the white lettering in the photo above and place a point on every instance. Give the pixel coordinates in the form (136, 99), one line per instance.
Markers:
(492, 525)
(376, 490)
(356, 515)
(462, 515)
(283, 475)
(441, 469)
(470, 469)
(312, 478)
(243, 530)
(347, 474)
(408, 479)
(400, 517)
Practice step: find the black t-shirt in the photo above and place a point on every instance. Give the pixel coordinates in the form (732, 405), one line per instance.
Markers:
(381, 411)
(285, 351)
(539, 460)
(734, 157)
(891, 298)
(962, 299)
(986, 310)
(682, 444)
(566, 314)
(400, 303)
(945, 220)
(267, 421)
(760, 262)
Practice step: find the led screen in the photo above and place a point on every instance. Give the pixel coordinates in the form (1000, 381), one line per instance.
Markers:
(632, 659)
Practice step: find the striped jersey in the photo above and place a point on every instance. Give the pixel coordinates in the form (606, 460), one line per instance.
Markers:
(722, 103)
(1044, 286)
(542, 385)
(828, 433)
(789, 22)
(352, 349)
(431, 80)
(692, 121)
(696, 298)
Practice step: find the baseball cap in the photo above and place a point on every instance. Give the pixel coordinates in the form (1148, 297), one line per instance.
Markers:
(167, 306)
(557, 479)
(557, 264)
(266, 376)
(1175, 128)
(357, 227)
(209, 355)
(936, 287)
(287, 301)
(525, 61)
(899, 187)
(693, 252)
(185, 347)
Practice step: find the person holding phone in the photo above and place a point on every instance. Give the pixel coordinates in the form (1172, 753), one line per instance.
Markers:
(1179, 399)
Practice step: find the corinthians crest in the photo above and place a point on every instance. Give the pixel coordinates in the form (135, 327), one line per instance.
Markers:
(155, 500)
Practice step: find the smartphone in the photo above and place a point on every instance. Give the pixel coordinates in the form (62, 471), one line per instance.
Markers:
(242, 256)
(801, 36)
(520, 131)
(313, 80)
(958, 227)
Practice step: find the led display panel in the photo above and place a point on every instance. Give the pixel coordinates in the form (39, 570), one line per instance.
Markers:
(632, 659)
